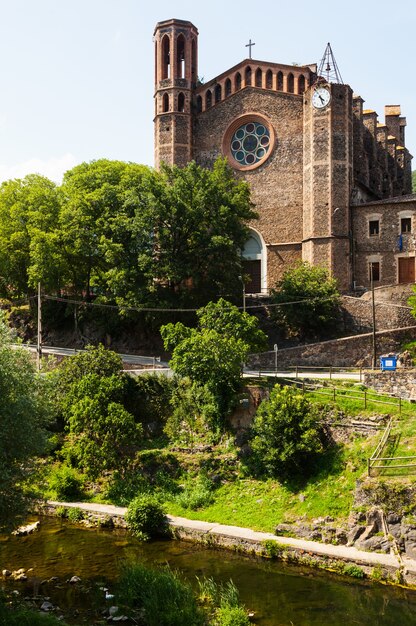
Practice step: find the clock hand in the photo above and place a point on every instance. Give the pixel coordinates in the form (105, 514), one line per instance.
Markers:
(321, 98)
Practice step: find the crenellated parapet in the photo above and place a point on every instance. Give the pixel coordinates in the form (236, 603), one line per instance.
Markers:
(382, 163)
(277, 77)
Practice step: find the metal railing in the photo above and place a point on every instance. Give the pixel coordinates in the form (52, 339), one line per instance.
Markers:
(377, 462)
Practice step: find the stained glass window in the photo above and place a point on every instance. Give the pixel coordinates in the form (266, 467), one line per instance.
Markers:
(250, 143)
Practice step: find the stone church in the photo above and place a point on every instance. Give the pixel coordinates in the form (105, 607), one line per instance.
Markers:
(330, 182)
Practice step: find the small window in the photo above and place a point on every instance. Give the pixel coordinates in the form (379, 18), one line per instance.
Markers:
(406, 225)
(373, 228)
(374, 271)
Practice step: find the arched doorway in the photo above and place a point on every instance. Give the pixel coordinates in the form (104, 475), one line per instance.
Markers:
(254, 264)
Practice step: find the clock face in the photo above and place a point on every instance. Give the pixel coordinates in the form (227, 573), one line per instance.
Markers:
(321, 97)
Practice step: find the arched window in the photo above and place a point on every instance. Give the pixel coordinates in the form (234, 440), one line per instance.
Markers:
(254, 264)
(227, 87)
(165, 103)
(259, 77)
(199, 104)
(218, 93)
(269, 79)
(248, 76)
(180, 57)
(280, 81)
(165, 57)
(208, 99)
(290, 83)
(181, 103)
(301, 84)
(238, 81)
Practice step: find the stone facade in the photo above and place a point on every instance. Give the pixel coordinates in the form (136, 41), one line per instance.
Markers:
(330, 183)
(401, 383)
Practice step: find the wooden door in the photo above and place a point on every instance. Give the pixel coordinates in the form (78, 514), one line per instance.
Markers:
(407, 270)
(253, 270)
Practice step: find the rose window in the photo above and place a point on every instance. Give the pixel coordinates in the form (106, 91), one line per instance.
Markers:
(250, 143)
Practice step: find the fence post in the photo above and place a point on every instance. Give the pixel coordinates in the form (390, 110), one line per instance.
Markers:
(361, 374)
(400, 405)
(365, 399)
(330, 373)
(368, 468)
(303, 386)
(296, 371)
(334, 394)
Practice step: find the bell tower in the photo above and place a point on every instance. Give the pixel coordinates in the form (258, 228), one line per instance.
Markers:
(176, 71)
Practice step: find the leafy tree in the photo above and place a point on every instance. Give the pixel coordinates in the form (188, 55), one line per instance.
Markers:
(198, 219)
(100, 243)
(29, 210)
(286, 435)
(212, 354)
(414, 181)
(23, 416)
(315, 298)
(230, 322)
(102, 433)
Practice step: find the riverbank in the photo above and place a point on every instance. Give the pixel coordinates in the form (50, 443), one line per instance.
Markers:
(391, 568)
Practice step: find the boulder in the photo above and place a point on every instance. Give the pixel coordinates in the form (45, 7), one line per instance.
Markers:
(354, 534)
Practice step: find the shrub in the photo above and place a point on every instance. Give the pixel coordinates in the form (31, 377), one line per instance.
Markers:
(197, 495)
(145, 517)
(353, 570)
(231, 616)
(286, 434)
(66, 483)
(160, 594)
(75, 514)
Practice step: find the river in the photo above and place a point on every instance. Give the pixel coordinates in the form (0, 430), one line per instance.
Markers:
(279, 594)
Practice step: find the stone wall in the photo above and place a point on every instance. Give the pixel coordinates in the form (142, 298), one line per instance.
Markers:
(345, 352)
(390, 308)
(400, 383)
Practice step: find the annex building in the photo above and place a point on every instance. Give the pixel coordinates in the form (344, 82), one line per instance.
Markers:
(330, 181)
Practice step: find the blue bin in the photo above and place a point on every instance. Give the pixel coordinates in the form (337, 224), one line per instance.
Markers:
(388, 363)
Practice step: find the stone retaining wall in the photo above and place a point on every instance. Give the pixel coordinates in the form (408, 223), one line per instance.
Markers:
(353, 351)
(401, 383)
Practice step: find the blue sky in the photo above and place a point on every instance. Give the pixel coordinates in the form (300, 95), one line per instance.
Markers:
(77, 75)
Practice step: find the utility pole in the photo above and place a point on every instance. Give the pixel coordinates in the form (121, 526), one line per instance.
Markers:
(373, 313)
(39, 345)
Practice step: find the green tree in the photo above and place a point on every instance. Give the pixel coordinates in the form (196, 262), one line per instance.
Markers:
(103, 435)
(29, 210)
(23, 417)
(315, 299)
(414, 181)
(286, 434)
(212, 354)
(100, 244)
(198, 219)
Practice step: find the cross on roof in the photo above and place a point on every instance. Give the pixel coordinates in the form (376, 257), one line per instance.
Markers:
(250, 45)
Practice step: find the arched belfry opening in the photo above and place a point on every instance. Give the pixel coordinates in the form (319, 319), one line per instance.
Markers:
(255, 264)
(181, 103)
(165, 103)
(165, 57)
(180, 57)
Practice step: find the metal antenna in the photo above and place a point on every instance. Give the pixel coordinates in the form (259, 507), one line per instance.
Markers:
(328, 68)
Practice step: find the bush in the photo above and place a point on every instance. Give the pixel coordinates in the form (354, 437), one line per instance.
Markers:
(231, 616)
(286, 434)
(354, 571)
(75, 514)
(164, 599)
(66, 483)
(318, 312)
(145, 517)
(197, 495)
(19, 615)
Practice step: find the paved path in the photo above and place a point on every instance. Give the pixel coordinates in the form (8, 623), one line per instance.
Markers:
(315, 547)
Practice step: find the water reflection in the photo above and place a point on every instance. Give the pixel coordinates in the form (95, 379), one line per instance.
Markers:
(280, 595)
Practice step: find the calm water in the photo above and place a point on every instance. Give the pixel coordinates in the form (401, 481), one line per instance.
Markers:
(280, 595)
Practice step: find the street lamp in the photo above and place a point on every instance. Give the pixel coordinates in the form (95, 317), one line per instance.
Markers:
(240, 278)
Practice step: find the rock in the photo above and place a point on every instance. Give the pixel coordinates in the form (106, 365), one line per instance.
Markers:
(375, 518)
(395, 530)
(74, 579)
(354, 534)
(301, 497)
(120, 618)
(410, 549)
(53, 579)
(368, 532)
(6, 572)
(392, 518)
(113, 610)
(47, 606)
(26, 530)
(341, 536)
(283, 529)
(380, 544)
(21, 578)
